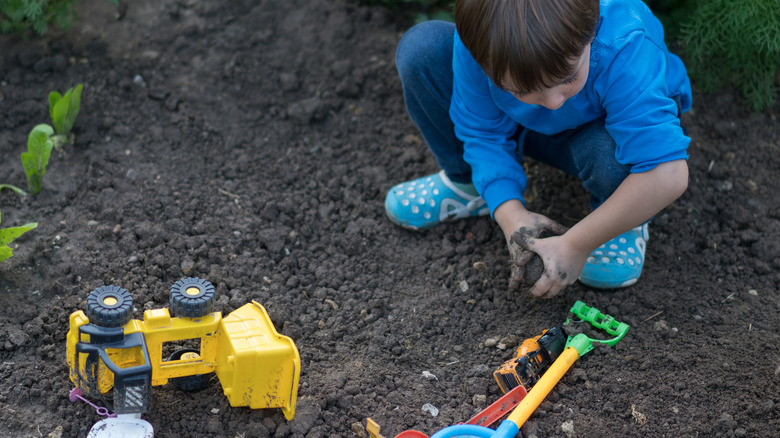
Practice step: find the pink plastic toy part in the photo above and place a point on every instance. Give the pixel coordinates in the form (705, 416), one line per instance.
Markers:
(76, 394)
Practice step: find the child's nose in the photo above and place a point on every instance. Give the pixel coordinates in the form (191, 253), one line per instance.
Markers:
(553, 101)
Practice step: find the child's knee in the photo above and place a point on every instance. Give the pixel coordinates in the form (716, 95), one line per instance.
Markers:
(425, 44)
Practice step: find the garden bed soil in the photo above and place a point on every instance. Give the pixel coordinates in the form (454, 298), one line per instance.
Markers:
(251, 143)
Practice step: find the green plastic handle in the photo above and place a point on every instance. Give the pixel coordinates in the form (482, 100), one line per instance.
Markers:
(607, 323)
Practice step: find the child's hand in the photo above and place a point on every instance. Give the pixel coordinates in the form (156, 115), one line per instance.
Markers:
(527, 267)
(562, 264)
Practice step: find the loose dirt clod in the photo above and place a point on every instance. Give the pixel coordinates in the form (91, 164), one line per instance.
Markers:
(639, 417)
(533, 270)
(535, 267)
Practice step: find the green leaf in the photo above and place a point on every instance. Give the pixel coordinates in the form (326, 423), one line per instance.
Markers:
(54, 97)
(73, 108)
(8, 235)
(36, 158)
(59, 113)
(14, 189)
(38, 136)
(65, 110)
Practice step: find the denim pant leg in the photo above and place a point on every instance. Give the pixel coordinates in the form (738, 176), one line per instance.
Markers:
(424, 62)
(586, 152)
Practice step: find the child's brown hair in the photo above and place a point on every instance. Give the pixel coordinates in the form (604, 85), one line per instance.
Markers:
(533, 42)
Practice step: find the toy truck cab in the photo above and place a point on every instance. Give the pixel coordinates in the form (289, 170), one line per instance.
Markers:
(256, 366)
(531, 360)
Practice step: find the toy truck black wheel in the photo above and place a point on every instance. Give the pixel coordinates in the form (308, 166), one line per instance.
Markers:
(192, 297)
(189, 383)
(109, 306)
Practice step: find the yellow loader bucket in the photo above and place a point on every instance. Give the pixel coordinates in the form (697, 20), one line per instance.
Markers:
(257, 366)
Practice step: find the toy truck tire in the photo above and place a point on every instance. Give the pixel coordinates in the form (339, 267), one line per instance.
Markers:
(192, 297)
(188, 383)
(109, 306)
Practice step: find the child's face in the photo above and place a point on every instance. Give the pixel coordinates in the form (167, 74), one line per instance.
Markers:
(554, 97)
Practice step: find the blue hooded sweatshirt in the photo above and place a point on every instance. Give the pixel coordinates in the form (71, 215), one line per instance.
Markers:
(631, 82)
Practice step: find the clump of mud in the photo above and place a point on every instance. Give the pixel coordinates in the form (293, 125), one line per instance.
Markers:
(534, 268)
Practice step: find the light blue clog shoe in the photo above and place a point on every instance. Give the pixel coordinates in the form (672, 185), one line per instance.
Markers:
(617, 263)
(428, 201)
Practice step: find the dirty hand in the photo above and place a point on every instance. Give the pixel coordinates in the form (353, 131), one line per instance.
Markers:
(562, 263)
(527, 266)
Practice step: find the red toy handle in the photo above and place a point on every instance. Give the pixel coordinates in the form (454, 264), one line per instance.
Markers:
(500, 407)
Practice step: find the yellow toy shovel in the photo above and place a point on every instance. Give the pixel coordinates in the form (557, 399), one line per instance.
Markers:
(576, 346)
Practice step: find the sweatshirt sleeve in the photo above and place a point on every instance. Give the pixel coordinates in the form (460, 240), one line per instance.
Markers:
(640, 113)
(486, 132)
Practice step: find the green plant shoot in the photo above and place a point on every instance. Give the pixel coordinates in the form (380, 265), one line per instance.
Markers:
(64, 110)
(7, 235)
(36, 158)
(14, 189)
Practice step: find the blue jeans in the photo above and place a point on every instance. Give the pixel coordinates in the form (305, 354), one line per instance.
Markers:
(424, 62)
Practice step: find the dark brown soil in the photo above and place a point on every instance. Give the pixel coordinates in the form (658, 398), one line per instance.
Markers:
(251, 143)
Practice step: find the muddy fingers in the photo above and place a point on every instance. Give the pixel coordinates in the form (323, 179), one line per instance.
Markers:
(527, 266)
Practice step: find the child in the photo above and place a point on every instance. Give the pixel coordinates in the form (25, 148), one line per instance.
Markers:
(586, 86)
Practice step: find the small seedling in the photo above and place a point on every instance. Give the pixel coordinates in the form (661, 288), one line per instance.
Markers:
(36, 158)
(14, 189)
(7, 235)
(63, 110)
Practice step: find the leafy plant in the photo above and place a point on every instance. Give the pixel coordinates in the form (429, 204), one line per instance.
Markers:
(35, 160)
(7, 235)
(19, 16)
(63, 111)
(22, 15)
(735, 42)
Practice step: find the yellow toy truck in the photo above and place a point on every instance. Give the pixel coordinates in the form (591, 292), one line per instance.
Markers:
(107, 349)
